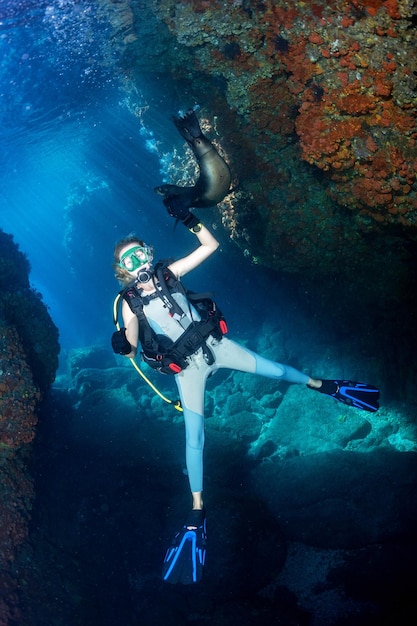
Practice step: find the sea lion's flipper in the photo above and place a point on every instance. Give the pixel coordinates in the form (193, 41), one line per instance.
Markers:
(185, 194)
(172, 190)
(188, 125)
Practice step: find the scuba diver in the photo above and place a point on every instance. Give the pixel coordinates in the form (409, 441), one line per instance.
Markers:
(181, 333)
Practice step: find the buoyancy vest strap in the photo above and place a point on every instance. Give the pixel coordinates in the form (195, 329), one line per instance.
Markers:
(205, 295)
(162, 274)
(132, 296)
(165, 356)
(175, 403)
(166, 296)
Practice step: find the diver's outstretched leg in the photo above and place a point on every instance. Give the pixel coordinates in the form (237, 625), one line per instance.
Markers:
(188, 125)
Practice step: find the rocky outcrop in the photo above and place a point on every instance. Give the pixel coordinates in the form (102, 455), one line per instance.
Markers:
(308, 500)
(28, 361)
(313, 105)
(319, 99)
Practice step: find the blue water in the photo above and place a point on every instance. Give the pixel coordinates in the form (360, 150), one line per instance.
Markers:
(79, 167)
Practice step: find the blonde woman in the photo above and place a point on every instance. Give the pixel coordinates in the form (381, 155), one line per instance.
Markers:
(175, 336)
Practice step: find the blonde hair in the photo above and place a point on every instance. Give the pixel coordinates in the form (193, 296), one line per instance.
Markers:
(120, 273)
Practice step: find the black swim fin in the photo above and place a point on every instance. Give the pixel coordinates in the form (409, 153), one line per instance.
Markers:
(185, 558)
(359, 395)
(188, 125)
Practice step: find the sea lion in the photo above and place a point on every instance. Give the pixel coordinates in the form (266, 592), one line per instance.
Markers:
(213, 184)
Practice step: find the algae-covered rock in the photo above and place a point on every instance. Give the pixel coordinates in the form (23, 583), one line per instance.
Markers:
(23, 308)
(309, 423)
(28, 361)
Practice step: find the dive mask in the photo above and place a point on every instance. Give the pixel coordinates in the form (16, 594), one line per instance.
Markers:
(135, 257)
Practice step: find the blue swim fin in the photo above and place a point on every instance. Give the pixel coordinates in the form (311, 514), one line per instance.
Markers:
(359, 395)
(185, 558)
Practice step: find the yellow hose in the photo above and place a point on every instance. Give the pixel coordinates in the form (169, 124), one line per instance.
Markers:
(177, 403)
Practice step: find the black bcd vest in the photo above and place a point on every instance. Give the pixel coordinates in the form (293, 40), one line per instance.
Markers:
(159, 351)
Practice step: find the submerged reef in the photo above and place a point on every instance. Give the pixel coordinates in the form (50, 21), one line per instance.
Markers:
(308, 500)
(334, 80)
(315, 106)
(22, 308)
(28, 361)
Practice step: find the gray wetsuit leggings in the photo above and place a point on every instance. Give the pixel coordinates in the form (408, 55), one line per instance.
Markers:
(191, 384)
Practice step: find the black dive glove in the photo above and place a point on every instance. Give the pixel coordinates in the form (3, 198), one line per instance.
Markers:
(120, 343)
(176, 208)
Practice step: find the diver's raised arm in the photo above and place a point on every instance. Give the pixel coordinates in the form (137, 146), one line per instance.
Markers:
(208, 245)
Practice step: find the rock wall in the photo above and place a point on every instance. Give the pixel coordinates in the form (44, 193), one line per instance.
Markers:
(318, 98)
(28, 360)
(314, 107)
(316, 496)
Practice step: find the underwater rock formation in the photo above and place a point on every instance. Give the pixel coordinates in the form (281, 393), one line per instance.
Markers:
(333, 80)
(28, 360)
(313, 105)
(337, 481)
(329, 84)
(22, 308)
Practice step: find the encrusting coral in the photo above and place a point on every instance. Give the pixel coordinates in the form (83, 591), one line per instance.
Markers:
(28, 360)
(327, 84)
(22, 307)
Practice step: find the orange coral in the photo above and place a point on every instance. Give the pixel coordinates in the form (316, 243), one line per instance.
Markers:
(391, 7)
(354, 103)
(18, 396)
(315, 38)
(325, 142)
(298, 64)
(324, 60)
(373, 6)
(370, 144)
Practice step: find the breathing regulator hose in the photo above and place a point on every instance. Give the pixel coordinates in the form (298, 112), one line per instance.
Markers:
(175, 403)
